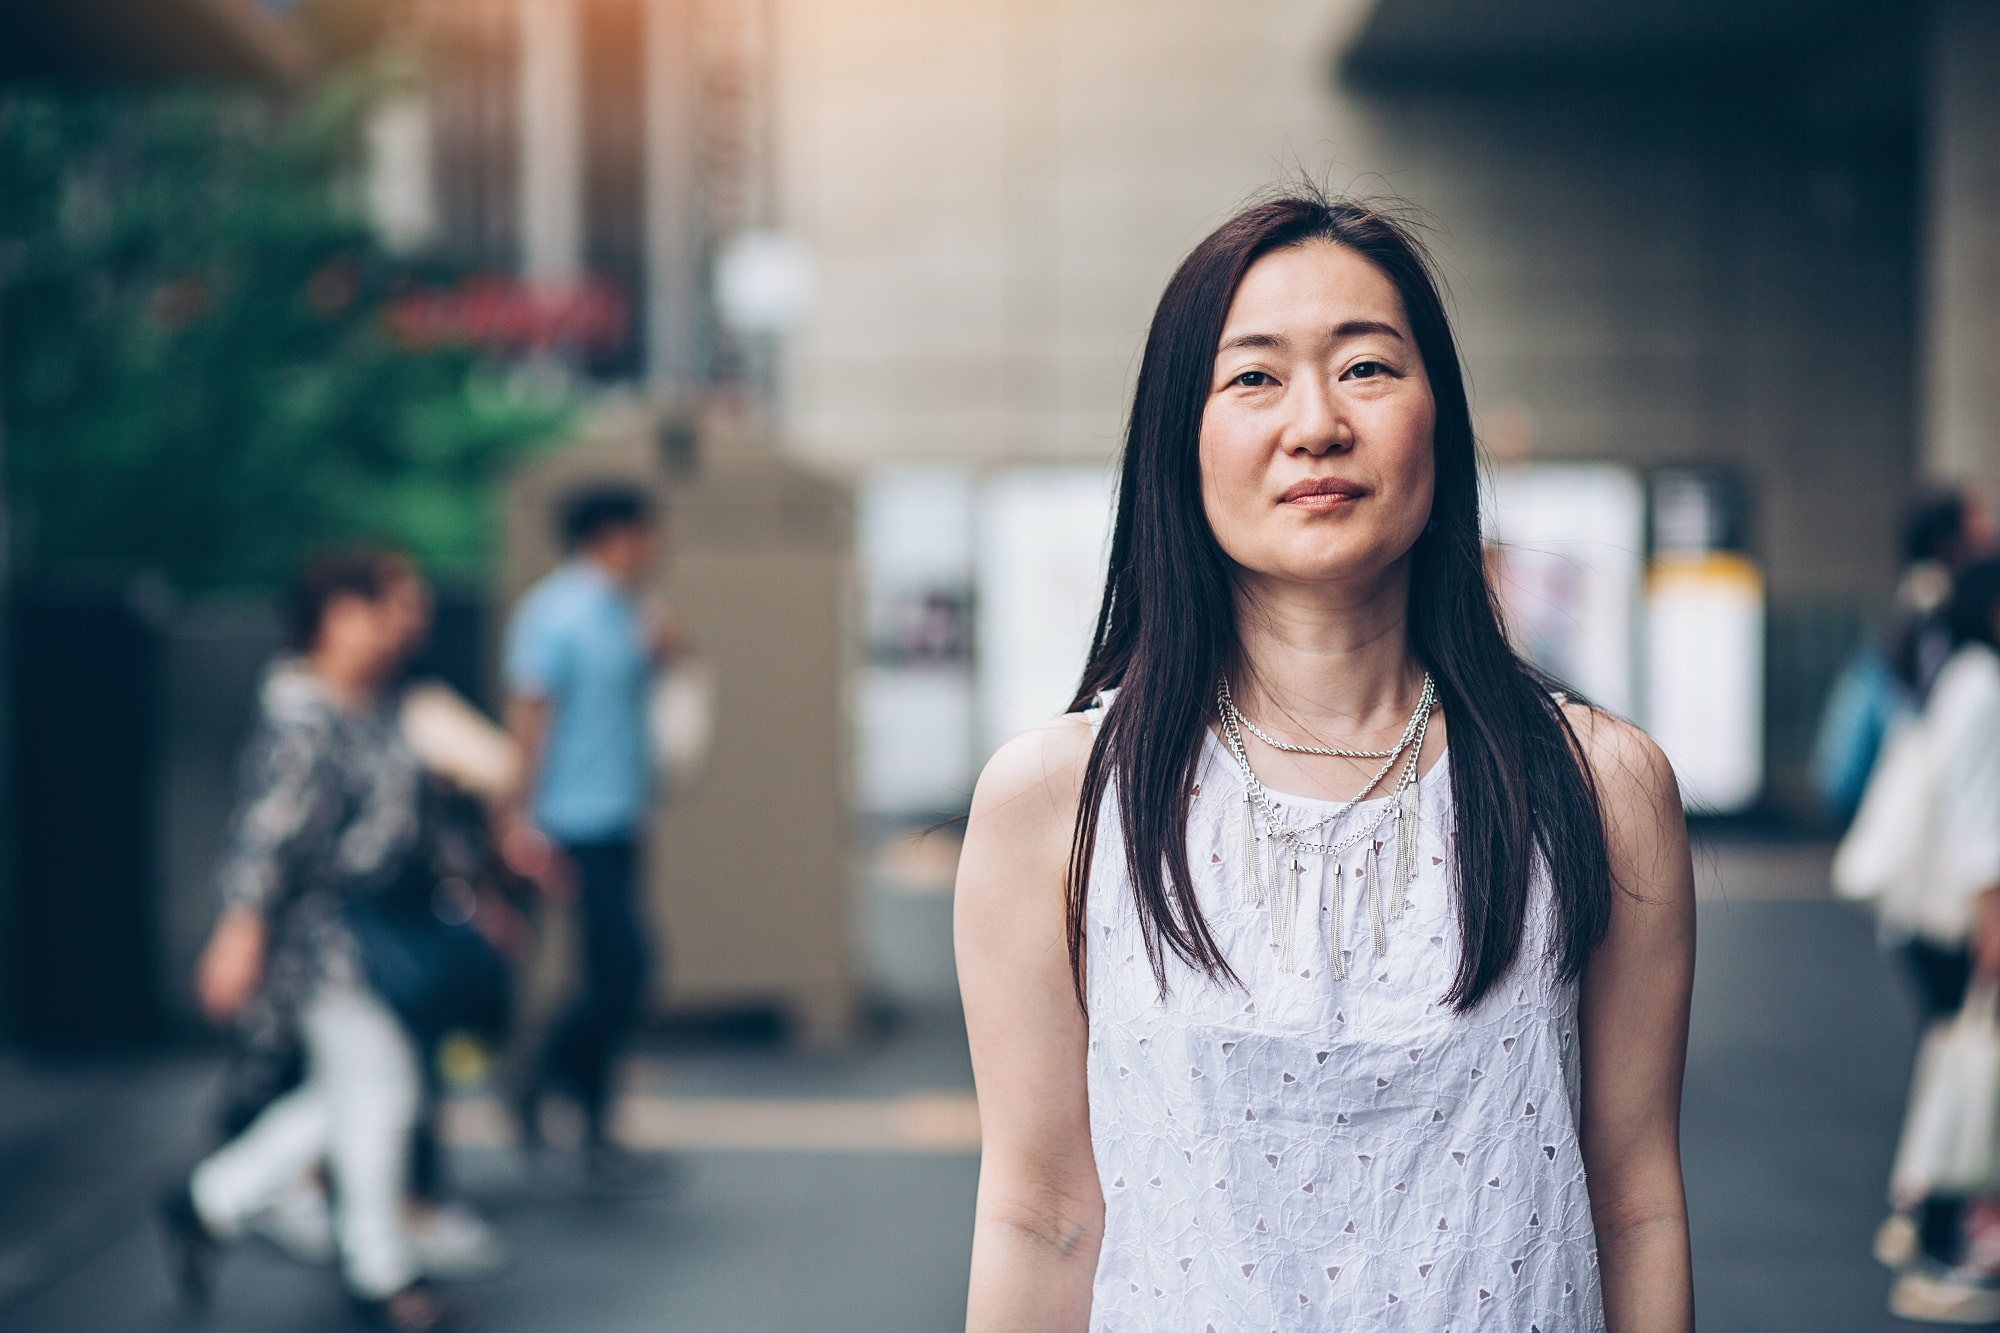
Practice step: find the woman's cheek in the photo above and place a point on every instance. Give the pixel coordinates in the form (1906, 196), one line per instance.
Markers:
(1240, 471)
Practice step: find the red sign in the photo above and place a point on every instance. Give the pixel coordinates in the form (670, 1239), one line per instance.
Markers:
(509, 315)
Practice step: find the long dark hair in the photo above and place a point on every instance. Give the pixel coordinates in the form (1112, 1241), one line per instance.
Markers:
(1974, 605)
(366, 572)
(1521, 787)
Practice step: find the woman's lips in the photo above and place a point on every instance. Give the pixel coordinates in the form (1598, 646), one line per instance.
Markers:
(1323, 501)
(1320, 493)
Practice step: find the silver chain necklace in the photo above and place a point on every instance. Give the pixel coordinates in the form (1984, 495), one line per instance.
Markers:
(1263, 846)
(1230, 709)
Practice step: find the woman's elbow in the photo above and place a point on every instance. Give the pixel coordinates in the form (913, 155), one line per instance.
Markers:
(1064, 1220)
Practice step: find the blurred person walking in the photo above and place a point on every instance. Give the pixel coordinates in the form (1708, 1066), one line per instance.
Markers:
(1403, 1050)
(580, 658)
(327, 830)
(1943, 532)
(470, 765)
(1925, 847)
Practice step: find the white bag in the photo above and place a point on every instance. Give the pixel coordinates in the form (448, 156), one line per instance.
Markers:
(1951, 1131)
(681, 719)
(1882, 855)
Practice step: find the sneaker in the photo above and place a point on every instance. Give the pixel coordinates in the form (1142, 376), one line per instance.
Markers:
(1979, 1231)
(454, 1244)
(191, 1247)
(1944, 1296)
(1897, 1242)
(416, 1309)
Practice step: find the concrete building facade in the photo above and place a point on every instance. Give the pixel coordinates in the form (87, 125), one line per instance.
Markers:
(1675, 234)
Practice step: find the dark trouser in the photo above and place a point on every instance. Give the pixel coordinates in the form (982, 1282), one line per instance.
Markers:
(1940, 976)
(586, 1040)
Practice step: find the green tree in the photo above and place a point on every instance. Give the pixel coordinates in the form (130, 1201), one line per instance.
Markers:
(196, 372)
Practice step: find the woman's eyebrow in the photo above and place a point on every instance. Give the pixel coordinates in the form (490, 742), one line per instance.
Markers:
(1272, 340)
(1353, 328)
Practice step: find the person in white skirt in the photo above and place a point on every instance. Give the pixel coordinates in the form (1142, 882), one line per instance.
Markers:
(1325, 967)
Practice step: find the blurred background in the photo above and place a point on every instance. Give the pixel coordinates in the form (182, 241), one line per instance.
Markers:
(857, 289)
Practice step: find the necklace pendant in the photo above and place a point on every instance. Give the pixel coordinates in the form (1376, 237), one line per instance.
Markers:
(1371, 886)
(1252, 853)
(1406, 850)
(1285, 911)
(1336, 954)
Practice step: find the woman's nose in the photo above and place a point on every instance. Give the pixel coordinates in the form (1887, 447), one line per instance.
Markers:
(1318, 425)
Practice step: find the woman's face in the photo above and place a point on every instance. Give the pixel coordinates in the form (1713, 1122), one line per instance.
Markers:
(407, 605)
(1316, 462)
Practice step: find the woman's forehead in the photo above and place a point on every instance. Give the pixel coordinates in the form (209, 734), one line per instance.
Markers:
(1316, 287)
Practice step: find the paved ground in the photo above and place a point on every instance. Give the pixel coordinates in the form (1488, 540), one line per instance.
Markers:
(1801, 1048)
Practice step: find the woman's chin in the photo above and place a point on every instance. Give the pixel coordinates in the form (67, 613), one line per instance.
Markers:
(1345, 568)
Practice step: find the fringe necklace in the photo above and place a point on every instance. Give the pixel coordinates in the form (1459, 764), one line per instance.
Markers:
(1271, 848)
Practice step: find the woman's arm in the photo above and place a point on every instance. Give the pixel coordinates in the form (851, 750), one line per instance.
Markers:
(1040, 1214)
(1635, 1025)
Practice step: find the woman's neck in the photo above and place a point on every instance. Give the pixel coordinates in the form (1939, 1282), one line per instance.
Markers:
(352, 683)
(1326, 665)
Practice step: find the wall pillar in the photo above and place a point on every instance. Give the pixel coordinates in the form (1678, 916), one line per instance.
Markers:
(551, 119)
(1961, 262)
(674, 299)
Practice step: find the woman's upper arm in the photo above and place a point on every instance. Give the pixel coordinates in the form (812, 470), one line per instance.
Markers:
(1637, 985)
(1027, 1031)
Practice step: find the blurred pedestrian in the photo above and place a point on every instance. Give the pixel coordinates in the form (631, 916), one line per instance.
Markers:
(470, 764)
(1944, 532)
(580, 659)
(1404, 1050)
(329, 827)
(1932, 812)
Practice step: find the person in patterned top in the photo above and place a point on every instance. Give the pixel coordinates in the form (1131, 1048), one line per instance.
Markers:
(329, 816)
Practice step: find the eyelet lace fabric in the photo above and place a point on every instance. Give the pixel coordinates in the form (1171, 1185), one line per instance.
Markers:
(1312, 1153)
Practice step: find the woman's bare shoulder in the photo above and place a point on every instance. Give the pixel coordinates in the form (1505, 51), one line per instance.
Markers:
(1009, 904)
(1622, 757)
(1033, 780)
(1640, 798)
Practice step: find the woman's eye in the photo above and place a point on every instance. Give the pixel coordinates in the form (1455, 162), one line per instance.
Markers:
(1254, 379)
(1366, 370)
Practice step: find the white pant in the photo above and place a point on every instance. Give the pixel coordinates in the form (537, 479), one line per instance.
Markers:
(354, 1111)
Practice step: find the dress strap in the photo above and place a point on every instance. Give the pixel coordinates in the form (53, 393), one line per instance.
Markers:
(1095, 713)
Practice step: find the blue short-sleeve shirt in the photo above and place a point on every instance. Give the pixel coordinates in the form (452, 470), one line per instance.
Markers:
(575, 642)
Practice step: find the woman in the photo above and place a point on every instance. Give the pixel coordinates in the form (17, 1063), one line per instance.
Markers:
(1946, 531)
(1945, 917)
(1876, 691)
(469, 765)
(328, 822)
(1248, 1059)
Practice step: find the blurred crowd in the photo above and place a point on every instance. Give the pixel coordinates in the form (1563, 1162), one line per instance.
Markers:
(1909, 753)
(391, 851)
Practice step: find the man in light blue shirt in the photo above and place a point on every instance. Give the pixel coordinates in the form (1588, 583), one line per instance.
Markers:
(579, 664)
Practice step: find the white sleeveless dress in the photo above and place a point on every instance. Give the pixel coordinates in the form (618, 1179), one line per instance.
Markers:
(1312, 1153)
